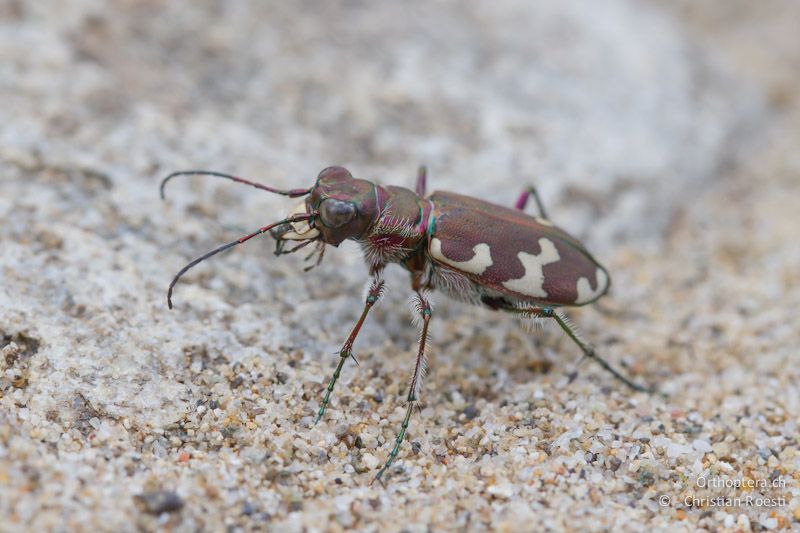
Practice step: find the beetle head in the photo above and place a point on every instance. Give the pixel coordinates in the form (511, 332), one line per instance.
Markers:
(336, 208)
(339, 206)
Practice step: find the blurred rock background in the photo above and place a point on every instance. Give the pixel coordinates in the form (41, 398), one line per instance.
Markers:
(663, 134)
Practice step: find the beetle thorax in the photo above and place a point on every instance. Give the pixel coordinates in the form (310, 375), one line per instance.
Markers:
(399, 230)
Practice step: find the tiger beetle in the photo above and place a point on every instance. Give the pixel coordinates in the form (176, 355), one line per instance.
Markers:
(472, 250)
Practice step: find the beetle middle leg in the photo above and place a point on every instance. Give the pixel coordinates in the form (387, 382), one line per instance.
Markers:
(374, 293)
(425, 311)
(587, 349)
(522, 201)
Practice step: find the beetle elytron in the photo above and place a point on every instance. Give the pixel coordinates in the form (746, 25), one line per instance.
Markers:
(473, 250)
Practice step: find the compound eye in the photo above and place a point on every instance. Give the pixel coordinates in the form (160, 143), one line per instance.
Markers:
(336, 213)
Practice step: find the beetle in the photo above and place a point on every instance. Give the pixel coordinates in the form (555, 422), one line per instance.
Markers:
(473, 250)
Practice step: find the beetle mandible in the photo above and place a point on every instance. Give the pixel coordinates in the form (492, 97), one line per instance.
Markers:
(470, 249)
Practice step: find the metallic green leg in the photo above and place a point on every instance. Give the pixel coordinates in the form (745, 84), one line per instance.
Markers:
(588, 350)
(397, 441)
(416, 382)
(343, 357)
(374, 294)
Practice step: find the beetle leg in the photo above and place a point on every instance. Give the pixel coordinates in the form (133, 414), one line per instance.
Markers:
(374, 293)
(522, 201)
(587, 349)
(422, 179)
(424, 308)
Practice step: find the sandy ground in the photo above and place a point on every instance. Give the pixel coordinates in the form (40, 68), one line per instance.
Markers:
(667, 139)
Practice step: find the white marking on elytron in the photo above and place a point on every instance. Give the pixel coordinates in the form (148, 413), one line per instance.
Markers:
(531, 283)
(585, 292)
(477, 265)
(302, 229)
(543, 221)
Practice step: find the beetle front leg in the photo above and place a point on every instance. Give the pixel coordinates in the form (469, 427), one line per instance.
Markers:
(522, 201)
(587, 349)
(374, 293)
(425, 311)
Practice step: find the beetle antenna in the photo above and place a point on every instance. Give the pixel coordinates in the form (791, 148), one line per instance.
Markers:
(240, 240)
(291, 193)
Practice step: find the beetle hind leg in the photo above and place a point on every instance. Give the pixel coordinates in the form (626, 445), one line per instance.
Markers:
(587, 349)
(422, 180)
(522, 201)
(589, 352)
(425, 311)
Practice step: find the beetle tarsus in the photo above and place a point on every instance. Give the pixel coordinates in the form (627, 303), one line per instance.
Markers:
(589, 352)
(587, 349)
(343, 356)
(397, 442)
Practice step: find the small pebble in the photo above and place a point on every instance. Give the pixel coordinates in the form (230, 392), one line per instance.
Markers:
(370, 461)
(503, 490)
(470, 412)
(160, 501)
